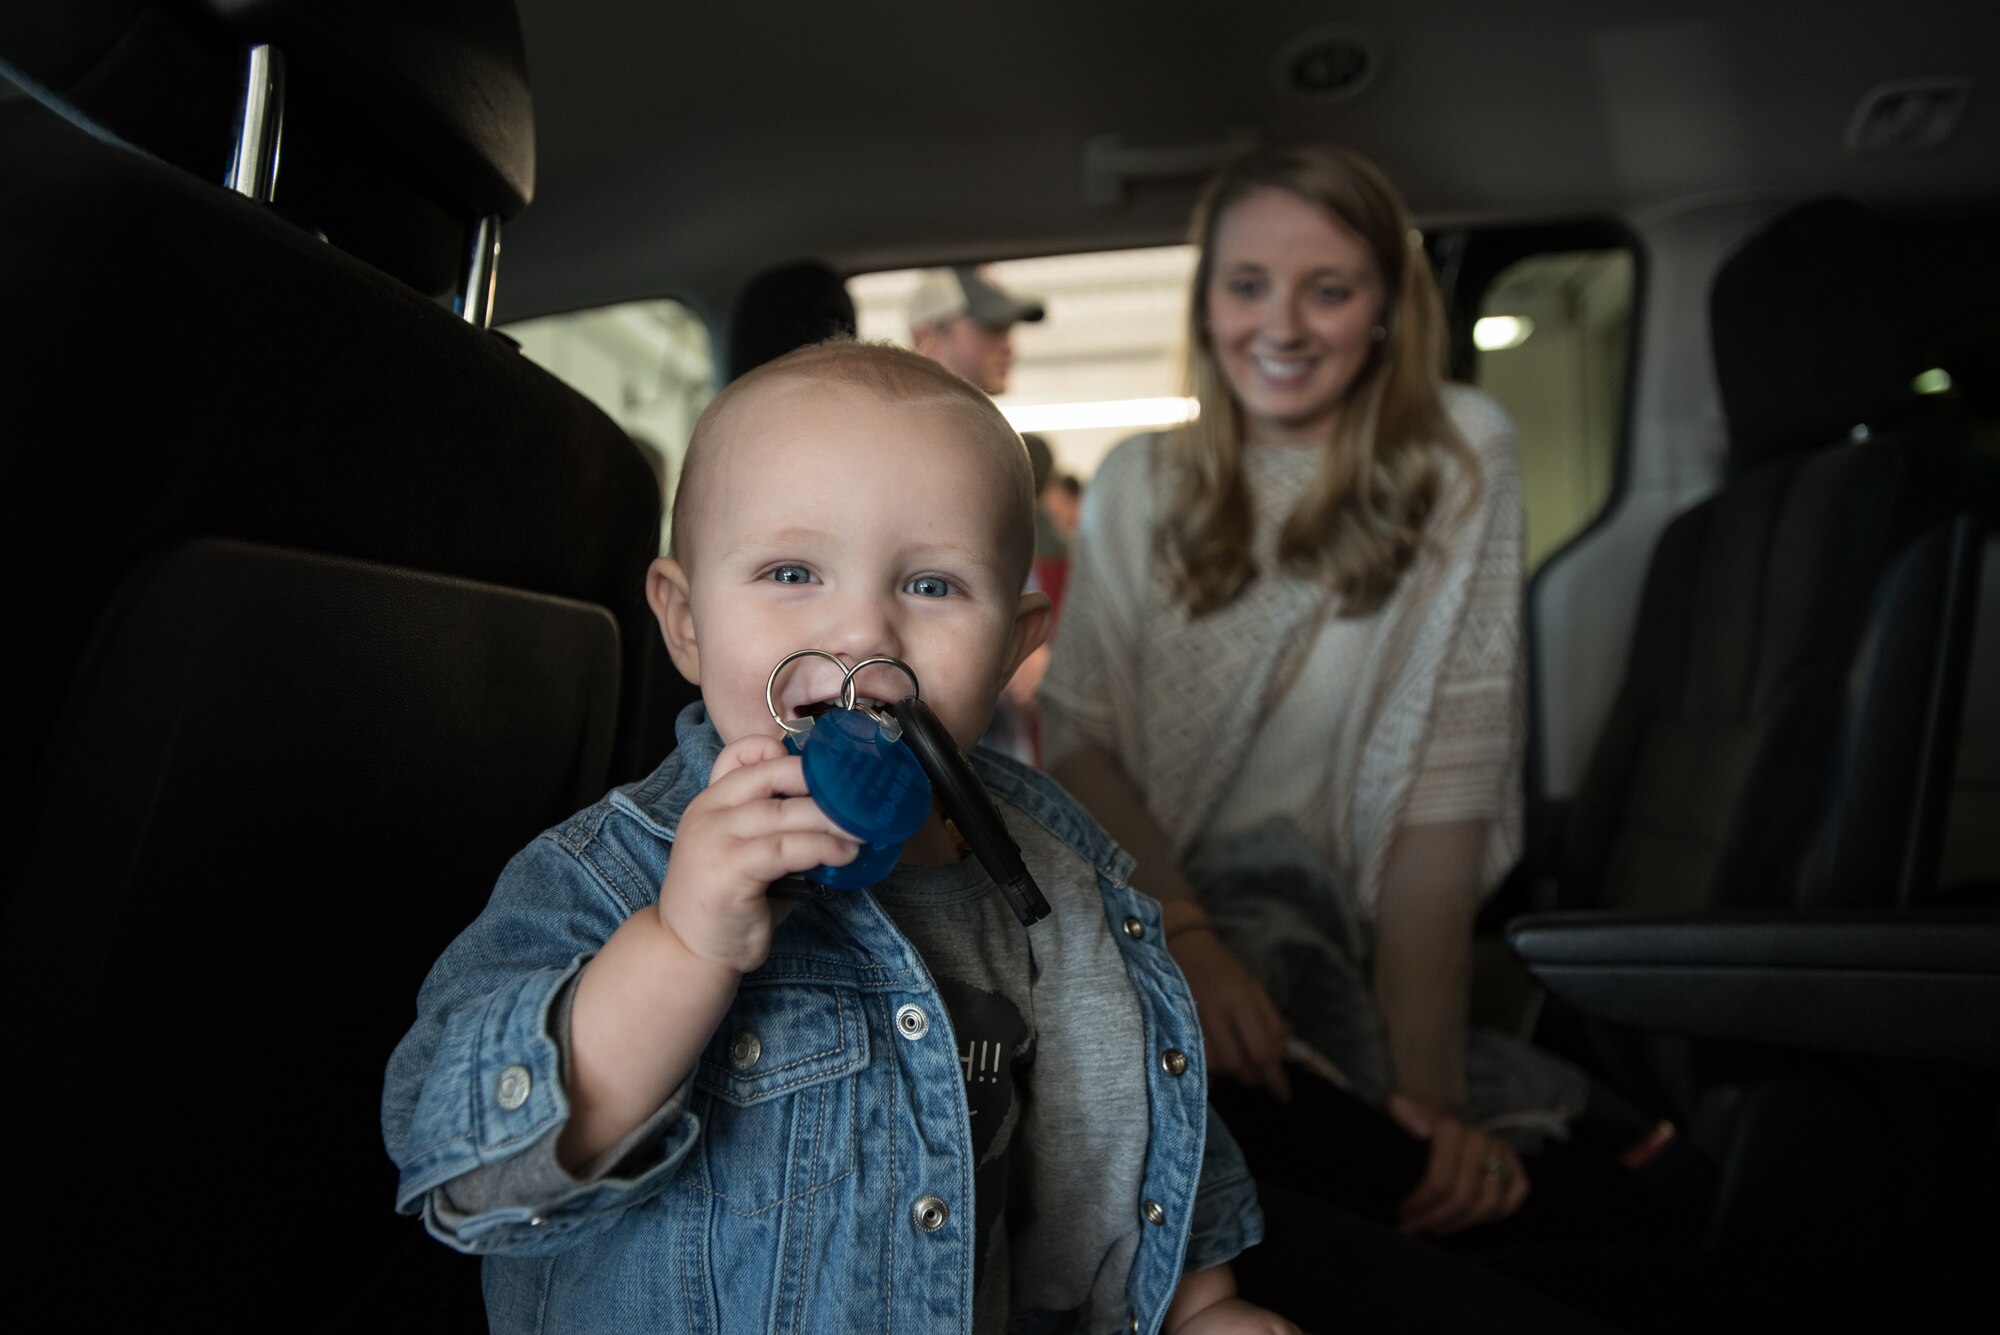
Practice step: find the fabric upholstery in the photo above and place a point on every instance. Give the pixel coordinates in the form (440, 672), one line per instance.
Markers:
(271, 807)
(1810, 329)
(329, 602)
(183, 362)
(1718, 764)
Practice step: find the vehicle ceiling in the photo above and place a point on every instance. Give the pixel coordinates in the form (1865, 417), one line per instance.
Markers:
(682, 147)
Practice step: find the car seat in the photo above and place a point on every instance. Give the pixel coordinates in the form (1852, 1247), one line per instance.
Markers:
(1751, 858)
(327, 602)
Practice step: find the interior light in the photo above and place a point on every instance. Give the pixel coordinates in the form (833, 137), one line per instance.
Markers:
(1497, 333)
(1934, 381)
(1100, 413)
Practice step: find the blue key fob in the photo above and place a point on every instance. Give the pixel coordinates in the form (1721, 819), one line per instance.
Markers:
(869, 784)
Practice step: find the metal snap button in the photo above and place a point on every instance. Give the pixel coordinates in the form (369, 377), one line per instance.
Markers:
(911, 1022)
(1132, 1322)
(929, 1213)
(1154, 1213)
(744, 1050)
(510, 1091)
(536, 1221)
(1174, 1062)
(1134, 928)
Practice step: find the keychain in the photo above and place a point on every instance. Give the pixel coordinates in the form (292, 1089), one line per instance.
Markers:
(880, 791)
(865, 783)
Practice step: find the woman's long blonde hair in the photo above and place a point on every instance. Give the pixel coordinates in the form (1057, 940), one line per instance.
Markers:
(1360, 522)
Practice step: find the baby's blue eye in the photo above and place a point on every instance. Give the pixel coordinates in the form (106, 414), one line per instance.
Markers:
(930, 586)
(791, 575)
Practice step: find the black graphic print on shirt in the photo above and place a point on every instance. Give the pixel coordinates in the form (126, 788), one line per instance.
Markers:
(996, 1049)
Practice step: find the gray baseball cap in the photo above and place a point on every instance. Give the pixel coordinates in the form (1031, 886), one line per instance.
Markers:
(945, 294)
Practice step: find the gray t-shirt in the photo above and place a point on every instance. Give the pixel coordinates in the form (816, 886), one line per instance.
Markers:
(1052, 1048)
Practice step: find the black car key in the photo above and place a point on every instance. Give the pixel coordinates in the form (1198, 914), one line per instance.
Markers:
(966, 803)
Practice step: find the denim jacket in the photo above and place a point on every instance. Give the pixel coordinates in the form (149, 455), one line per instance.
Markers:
(815, 1171)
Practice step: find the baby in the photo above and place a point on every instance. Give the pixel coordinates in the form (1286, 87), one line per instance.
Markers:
(655, 1096)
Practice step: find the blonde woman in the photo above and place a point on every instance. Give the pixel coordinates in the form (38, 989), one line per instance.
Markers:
(1289, 681)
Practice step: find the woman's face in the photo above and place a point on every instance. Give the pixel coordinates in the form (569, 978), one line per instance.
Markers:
(1294, 298)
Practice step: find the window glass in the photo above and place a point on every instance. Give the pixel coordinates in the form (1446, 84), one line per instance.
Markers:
(1551, 340)
(1104, 363)
(647, 364)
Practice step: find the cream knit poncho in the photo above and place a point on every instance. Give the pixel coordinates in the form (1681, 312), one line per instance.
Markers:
(1424, 724)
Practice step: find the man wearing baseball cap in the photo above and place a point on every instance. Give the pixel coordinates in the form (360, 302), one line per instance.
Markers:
(960, 319)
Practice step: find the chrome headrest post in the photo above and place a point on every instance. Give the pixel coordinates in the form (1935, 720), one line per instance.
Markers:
(260, 126)
(482, 274)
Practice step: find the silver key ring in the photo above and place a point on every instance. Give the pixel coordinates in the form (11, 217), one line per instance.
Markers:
(847, 682)
(771, 684)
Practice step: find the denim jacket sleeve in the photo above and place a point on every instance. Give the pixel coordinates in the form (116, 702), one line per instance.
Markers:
(1227, 1219)
(478, 1079)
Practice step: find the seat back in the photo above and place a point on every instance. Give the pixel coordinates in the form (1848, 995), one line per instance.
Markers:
(1783, 709)
(331, 602)
(1784, 729)
(1787, 706)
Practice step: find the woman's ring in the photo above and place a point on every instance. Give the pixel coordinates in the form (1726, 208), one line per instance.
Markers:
(1496, 1168)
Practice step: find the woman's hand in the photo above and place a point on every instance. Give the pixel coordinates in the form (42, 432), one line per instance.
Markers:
(1241, 1030)
(1473, 1177)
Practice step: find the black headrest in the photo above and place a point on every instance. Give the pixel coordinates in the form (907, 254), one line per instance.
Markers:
(1811, 334)
(786, 308)
(404, 122)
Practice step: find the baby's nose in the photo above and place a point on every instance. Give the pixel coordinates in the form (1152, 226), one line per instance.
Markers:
(867, 630)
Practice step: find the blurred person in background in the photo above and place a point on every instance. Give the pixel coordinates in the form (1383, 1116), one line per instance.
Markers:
(961, 319)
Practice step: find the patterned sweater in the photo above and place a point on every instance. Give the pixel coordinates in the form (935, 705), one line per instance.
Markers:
(1412, 715)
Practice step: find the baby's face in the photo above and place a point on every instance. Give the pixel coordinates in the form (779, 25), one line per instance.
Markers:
(832, 519)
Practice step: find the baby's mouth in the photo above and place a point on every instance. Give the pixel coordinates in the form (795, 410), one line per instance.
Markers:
(811, 692)
(818, 707)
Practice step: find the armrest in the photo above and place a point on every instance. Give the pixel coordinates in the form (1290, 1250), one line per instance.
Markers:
(1877, 983)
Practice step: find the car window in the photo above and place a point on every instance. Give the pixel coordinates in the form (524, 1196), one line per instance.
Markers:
(647, 364)
(1549, 338)
(1104, 364)
(1552, 340)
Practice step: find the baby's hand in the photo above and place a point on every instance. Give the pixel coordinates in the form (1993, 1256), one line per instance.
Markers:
(751, 826)
(1233, 1316)
(1205, 1303)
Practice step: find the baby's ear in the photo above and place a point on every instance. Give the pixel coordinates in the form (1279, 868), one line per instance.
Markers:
(667, 592)
(1034, 617)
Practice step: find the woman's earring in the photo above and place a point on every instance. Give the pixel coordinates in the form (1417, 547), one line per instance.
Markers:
(1380, 332)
